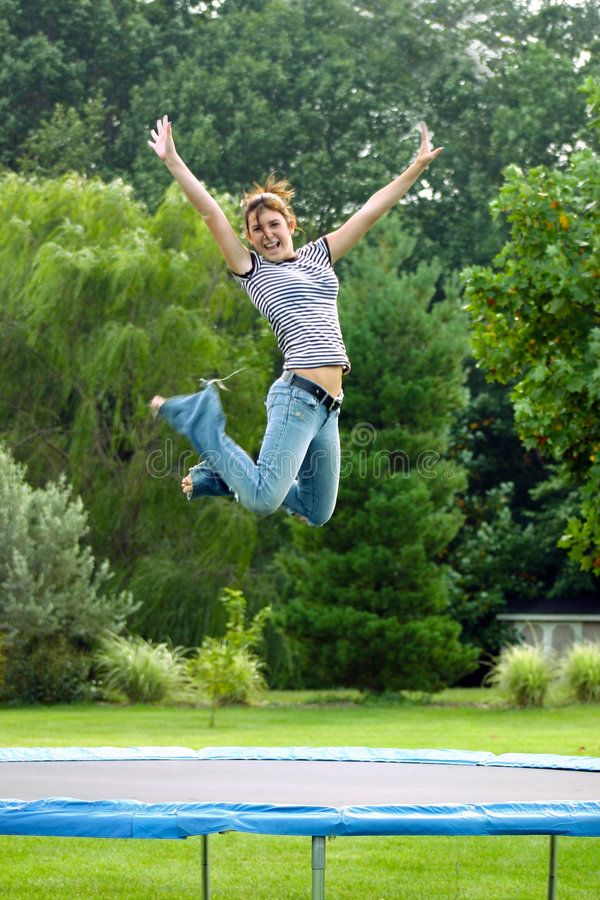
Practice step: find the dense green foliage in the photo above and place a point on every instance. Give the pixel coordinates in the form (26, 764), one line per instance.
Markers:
(536, 316)
(507, 553)
(103, 306)
(370, 604)
(106, 301)
(69, 51)
(328, 95)
(54, 598)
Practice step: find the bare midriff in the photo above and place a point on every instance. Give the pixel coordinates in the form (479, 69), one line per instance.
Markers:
(329, 377)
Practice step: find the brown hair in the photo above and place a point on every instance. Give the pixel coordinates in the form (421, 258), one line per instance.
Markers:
(274, 195)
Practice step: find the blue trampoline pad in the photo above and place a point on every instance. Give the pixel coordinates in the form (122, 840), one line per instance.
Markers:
(177, 792)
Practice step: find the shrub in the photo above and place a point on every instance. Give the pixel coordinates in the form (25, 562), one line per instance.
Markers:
(47, 672)
(143, 671)
(53, 593)
(225, 669)
(225, 675)
(2, 665)
(523, 673)
(580, 671)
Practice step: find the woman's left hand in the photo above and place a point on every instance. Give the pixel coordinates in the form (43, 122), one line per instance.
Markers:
(426, 154)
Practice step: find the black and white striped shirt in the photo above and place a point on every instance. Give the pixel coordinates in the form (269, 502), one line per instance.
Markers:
(298, 297)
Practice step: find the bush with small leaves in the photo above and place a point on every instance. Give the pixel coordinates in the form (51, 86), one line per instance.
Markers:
(2, 664)
(143, 671)
(225, 675)
(580, 671)
(225, 669)
(47, 671)
(523, 673)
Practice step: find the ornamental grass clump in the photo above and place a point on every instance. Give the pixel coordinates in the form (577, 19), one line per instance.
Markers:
(145, 672)
(580, 672)
(523, 673)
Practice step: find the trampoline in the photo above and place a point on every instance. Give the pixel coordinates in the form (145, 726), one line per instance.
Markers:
(175, 793)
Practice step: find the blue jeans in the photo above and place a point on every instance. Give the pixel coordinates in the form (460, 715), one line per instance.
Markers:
(298, 466)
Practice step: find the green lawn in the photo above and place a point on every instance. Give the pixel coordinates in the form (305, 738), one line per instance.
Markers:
(255, 866)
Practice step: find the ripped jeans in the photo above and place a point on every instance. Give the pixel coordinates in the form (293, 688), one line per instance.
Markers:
(298, 467)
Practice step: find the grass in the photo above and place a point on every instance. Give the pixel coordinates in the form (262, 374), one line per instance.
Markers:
(145, 672)
(260, 867)
(581, 672)
(524, 674)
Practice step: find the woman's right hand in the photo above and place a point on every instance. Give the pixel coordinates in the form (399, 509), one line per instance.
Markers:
(162, 139)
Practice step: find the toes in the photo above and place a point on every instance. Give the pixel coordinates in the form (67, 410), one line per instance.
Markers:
(155, 405)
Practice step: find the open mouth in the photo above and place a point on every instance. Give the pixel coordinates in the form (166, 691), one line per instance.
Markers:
(274, 245)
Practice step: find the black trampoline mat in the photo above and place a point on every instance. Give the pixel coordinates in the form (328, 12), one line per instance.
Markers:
(294, 783)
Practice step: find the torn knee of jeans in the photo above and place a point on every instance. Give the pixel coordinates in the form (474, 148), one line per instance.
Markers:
(296, 515)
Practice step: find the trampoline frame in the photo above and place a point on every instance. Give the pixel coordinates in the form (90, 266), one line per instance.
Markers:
(576, 818)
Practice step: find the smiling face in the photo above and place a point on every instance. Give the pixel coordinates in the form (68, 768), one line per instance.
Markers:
(270, 234)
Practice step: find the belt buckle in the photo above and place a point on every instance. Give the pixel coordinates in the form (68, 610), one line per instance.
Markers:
(332, 404)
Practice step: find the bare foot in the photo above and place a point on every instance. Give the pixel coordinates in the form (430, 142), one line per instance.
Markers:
(156, 403)
(186, 485)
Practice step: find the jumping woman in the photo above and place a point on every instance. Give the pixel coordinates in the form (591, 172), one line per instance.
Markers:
(299, 461)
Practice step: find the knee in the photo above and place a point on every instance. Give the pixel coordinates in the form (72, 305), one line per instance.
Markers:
(263, 505)
(319, 520)
(316, 521)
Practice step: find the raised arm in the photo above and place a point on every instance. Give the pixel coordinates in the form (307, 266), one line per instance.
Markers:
(341, 240)
(235, 254)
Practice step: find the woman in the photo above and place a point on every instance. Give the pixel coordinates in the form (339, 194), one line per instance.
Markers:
(299, 461)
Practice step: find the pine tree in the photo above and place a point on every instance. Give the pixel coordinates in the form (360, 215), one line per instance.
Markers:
(370, 605)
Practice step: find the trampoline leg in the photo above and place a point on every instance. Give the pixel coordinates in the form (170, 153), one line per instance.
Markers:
(318, 868)
(552, 867)
(205, 869)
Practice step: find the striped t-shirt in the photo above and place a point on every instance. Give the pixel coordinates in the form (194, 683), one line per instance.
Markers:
(298, 297)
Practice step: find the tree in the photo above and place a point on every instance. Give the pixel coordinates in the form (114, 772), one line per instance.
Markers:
(485, 442)
(54, 601)
(67, 141)
(370, 604)
(339, 91)
(226, 670)
(516, 508)
(535, 322)
(102, 306)
(484, 573)
(69, 51)
(502, 88)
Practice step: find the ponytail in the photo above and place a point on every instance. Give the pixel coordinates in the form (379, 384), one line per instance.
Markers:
(274, 195)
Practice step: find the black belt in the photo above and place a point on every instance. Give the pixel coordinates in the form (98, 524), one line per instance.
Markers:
(330, 403)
